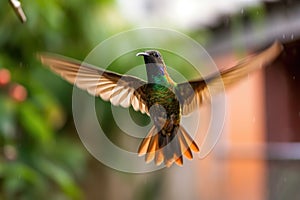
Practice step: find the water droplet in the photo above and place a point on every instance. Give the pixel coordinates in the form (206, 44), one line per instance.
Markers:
(292, 36)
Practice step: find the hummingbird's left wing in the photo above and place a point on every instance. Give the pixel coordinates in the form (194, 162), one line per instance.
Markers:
(123, 90)
(193, 93)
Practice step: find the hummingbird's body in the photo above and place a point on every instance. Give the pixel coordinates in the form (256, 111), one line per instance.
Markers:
(168, 140)
(165, 114)
(160, 97)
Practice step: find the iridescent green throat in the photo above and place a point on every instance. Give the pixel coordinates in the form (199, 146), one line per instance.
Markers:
(158, 74)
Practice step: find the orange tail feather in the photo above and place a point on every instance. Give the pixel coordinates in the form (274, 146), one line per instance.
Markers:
(167, 148)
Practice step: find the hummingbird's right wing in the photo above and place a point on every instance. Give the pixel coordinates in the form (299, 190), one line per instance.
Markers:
(123, 90)
(193, 93)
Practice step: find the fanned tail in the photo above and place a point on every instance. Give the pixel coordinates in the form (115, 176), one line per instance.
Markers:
(168, 148)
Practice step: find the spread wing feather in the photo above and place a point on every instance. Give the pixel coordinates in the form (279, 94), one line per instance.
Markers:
(119, 89)
(193, 93)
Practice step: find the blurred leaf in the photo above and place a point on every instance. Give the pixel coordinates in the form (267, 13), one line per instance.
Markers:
(62, 177)
(35, 125)
(69, 155)
(7, 125)
(19, 176)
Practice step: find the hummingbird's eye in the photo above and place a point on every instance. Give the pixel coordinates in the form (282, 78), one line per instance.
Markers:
(155, 54)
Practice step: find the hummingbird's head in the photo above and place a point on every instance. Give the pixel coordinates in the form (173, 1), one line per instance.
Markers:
(156, 68)
(151, 56)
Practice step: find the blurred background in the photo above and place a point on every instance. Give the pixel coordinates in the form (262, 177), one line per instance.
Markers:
(41, 155)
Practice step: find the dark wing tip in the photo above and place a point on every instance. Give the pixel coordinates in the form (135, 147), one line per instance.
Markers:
(47, 58)
(277, 48)
(40, 56)
(278, 44)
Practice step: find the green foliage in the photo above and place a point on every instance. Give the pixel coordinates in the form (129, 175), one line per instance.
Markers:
(40, 157)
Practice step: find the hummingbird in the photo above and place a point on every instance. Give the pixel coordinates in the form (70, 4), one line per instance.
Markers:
(162, 99)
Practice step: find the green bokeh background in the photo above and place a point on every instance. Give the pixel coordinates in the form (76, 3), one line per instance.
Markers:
(41, 156)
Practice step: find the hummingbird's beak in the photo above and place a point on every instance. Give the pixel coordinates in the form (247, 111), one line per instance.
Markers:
(142, 54)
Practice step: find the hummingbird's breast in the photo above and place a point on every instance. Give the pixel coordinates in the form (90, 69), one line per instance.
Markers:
(164, 107)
